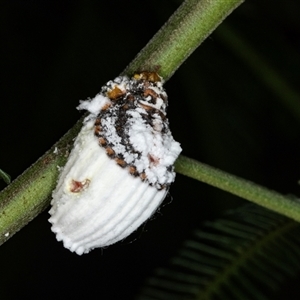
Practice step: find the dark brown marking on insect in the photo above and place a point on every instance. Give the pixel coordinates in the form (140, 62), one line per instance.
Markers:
(102, 141)
(78, 186)
(148, 108)
(162, 186)
(153, 160)
(143, 176)
(121, 162)
(110, 152)
(140, 93)
(150, 92)
(170, 168)
(161, 114)
(98, 122)
(97, 130)
(133, 171)
(148, 118)
(125, 106)
(130, 98)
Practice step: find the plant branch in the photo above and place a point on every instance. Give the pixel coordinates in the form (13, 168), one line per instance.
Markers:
(29, 194)
(187, 28)
(240, 187)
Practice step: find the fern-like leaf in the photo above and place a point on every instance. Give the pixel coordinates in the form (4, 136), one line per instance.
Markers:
(247, 254)
(5, 177)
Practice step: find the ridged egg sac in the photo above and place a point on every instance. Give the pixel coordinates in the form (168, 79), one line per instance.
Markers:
(120, 168)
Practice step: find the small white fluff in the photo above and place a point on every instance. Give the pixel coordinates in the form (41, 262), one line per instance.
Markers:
(120, 168)
(95, 105)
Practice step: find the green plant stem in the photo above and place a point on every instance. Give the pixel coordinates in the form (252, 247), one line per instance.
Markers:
(187, 28)
(239, 187)
(29, 194)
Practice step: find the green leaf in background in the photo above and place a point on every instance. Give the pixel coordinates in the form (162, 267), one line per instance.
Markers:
(220, 109)
(247, 254)
(5, 177)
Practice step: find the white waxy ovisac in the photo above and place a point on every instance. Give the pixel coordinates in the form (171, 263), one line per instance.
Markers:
(120, 168)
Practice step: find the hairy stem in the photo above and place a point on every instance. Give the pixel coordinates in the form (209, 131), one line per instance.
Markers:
(29, 194)
(188, 27)
(239, 187)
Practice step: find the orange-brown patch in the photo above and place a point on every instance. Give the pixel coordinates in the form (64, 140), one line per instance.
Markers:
(150, 92)
(149, 76)
(133, 171)
(110, 151)
(98, 122)
(153, 77)
(143, 176)
(97, 130)
(115, 93)
(121, 162)
(102, 141)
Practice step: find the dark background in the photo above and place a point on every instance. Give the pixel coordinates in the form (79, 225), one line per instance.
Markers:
(54, 53)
